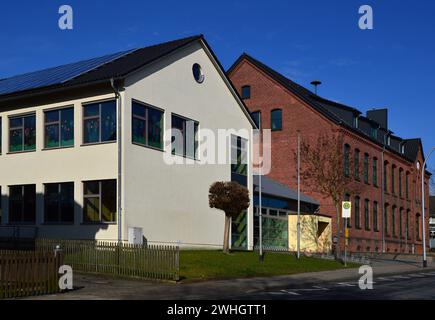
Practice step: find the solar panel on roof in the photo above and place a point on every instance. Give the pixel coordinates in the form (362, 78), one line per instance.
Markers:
(56, 75)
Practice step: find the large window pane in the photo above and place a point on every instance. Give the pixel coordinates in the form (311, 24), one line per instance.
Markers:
(185, 137)
(59, 202)
(30, 133)
(108, 121)
(67, 202)
(16, 140)
(155, 128)
(178, 135)
(91, 209)
(22, 204)
(99, 122)
(67, 127)
(100, 201)
(52, 136)
(91, 130)
(108, 201)
(276, 120)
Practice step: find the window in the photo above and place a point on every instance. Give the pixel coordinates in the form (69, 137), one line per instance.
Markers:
(393, 221)
(99, 122)
(386, 219)
(385, 177)
(355, 121)
(401, 222)
(246, 92)
(356, 164)
(346, 160)
(374, 133)
(401, 182)
(198, 74)
(393, 179)
(59, 202)
(366, 215)
(375, 216)
(347, 198)
(239, 156)
(184, 137)
(357, 213)
(147, 126)
(22, 204)
(256, 116)
(99, 201)
(375, 172)
(417, 226)
(407, 185)
(407, 224)
(366, 168)
(22, 133)
(276, 120)
(59, 128)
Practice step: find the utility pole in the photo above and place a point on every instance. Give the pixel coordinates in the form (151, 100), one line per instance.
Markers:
(299, 197)
(423, 196)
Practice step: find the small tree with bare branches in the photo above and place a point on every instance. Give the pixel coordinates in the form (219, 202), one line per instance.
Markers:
(232, 199)
(323, 170)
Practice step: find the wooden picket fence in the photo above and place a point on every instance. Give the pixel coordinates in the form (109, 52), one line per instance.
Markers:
(155, 262)
(28, 273)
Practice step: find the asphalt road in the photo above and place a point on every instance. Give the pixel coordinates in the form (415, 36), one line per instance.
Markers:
(407, 286)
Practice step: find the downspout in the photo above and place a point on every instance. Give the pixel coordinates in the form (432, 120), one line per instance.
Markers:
(119, 140)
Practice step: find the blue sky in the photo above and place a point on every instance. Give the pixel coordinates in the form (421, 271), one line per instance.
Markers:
(391, 66)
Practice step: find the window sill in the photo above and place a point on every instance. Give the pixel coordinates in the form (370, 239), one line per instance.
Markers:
(98, 224)
(56, 224)
(21, 152)
(58, 148)
(185, 157)
(96, 143)
(147, 147)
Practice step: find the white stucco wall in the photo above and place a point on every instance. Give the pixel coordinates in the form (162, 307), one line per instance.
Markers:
(170, 202)
(76, 164)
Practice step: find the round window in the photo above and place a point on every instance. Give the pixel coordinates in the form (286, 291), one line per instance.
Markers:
(197, 73)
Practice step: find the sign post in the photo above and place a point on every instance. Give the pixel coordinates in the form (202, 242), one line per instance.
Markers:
(346, 209)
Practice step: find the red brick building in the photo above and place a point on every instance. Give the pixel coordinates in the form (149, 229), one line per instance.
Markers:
(386, 213)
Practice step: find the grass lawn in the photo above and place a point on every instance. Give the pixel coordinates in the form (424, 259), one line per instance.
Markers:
(206, 265)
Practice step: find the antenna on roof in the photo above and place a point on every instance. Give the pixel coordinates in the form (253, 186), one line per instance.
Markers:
(316, 83)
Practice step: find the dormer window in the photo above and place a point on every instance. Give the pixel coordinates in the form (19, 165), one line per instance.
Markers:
(402, 149)
(355, 121)
(246, 92)
(374, 132)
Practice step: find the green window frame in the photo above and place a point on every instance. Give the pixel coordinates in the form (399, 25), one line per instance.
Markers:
(99, 201)
(407, 185)
(393, 221)
(385, 214)
(393, 179)
(59, 128)
(401, 182)
(147, 125)
(385, 177)
(22, 133)
(401, 222)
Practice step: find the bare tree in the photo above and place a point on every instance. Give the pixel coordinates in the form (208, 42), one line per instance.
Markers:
(232, 199)
(323, 170)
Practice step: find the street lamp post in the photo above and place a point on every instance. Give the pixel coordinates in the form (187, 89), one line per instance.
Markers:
(299, 198)
(423, 196)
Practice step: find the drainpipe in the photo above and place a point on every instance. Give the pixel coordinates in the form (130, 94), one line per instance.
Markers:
(119, 140)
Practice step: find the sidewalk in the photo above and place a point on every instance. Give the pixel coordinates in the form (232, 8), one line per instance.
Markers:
(93, 287)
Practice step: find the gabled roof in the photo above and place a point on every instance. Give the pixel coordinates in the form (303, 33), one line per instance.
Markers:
(115, 66)
(334, 111)
(274, 188)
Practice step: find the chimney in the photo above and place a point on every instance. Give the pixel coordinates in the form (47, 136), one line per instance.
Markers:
(380, 116)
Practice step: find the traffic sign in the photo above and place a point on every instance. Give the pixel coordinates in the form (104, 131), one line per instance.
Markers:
(346, 209)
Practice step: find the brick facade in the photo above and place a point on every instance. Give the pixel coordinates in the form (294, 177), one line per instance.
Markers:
(268, 94)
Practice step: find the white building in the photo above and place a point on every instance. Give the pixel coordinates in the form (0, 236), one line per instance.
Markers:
(84, 147)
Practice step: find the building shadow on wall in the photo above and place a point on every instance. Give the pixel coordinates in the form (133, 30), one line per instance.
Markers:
(19, 230)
